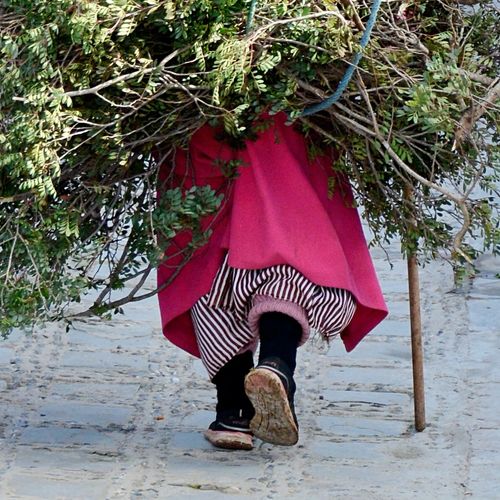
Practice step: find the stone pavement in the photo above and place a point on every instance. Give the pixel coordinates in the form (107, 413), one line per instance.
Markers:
(110, 410)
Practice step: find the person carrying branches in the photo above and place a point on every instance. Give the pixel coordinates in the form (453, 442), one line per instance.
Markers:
(91, 90)
(285, 257)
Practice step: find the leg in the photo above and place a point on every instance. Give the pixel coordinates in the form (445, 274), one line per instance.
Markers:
(226, 347)
(231, 428)
(229, 381)
(270, 386)
(280, 335)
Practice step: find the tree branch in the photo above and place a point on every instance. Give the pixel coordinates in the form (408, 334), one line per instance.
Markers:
(123, 78)
(474, 113)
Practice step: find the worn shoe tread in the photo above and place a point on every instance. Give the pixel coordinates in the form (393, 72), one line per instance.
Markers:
(230, 434)
(274, 421)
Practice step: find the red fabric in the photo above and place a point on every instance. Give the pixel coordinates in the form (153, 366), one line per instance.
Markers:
(277, 211)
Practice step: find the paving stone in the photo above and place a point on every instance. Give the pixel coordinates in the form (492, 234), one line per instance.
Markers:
(352, 450)
(224, 467)
(394, 287)
(6, 354)
(54, 488)
(483, 314)
(390, 351)
(398, 267)
(93, 338)
(115, 329)
(82, 413)
(197, 491)
(483, 480)
(487, 440)
(395, 378)
(485, 288)
(382, 399)
(488, 265)
(360, 427)
(64, 436)
(144, 309)
(191, 441)
(198, 420)
(14, 338)
(378, 481)
(486, 407)
(399, 309)
(87, 340)
(105, 360)
(46, 460)
(392, 328)
(199, 369)
(124, 392)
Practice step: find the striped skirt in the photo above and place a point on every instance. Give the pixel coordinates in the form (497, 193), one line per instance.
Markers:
(226, 319)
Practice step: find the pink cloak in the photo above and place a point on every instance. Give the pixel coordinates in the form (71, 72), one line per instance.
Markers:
(277, 211)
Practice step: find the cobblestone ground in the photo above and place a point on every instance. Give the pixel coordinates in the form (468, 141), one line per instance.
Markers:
(111, 410)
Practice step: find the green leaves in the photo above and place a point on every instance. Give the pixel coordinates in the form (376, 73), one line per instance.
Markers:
(93, 94)
(178, 210)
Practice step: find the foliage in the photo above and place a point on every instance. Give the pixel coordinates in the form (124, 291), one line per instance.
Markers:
(92, 92)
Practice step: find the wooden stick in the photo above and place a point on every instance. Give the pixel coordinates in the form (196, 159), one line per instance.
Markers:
(417, 354)
(416, 343)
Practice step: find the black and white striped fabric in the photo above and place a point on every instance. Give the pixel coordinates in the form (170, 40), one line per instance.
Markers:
(220, 318)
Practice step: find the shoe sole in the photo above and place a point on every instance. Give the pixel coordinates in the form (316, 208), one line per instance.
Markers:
(273, 421)
(229, 440)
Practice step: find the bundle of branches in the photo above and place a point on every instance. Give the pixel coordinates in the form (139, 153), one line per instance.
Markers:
(88, 90)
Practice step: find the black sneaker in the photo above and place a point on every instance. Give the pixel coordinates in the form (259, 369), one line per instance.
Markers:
(271, 388)
(231, 433)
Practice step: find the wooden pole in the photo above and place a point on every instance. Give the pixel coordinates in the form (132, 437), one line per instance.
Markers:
(416, 343)
(417, 352)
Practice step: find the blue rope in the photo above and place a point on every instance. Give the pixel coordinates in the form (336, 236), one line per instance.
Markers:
(344, 82)
(251, 15)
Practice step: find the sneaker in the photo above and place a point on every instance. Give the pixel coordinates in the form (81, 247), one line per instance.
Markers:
(230, 433)
(270, 387)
